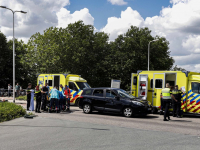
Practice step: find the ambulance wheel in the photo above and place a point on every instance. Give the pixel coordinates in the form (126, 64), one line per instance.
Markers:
(155, 110)
(87, 108)
(77, 102)
(128, 112)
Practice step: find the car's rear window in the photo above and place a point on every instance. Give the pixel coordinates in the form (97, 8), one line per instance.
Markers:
(87, 92)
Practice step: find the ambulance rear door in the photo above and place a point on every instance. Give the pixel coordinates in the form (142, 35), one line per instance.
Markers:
(143, 85)
(158, 85)
(134, 84)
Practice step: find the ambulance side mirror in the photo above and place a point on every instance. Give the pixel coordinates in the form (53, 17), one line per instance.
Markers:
(154, 94)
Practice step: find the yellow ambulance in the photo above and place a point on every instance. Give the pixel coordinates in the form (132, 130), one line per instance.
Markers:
(75, 83)
(148, 84)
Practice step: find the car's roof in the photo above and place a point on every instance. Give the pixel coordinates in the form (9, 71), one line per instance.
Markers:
(102, 88)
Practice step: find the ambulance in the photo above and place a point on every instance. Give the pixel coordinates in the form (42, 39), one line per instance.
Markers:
(148, 85)
(75, 83)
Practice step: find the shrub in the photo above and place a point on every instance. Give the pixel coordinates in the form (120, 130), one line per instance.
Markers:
(9, 111)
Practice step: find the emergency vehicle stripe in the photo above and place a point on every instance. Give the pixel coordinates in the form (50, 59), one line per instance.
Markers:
(193, 102)
(196, 109)
(197, 103)
(191, 95)
(75, 95)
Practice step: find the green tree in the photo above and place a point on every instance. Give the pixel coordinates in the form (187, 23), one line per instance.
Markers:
(6, 62)
(176, 68)
(75, 49)
(23, 74)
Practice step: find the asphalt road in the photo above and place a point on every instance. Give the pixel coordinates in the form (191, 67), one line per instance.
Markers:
(79, 131)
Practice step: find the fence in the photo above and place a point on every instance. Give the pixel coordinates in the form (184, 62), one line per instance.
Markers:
(6, 93)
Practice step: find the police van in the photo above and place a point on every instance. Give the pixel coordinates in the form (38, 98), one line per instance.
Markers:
(149, 84)
(75, 82)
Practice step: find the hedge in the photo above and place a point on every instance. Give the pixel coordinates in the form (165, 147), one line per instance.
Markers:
(9, 111)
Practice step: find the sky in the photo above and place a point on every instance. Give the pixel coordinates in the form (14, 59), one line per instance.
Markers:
(176, 20)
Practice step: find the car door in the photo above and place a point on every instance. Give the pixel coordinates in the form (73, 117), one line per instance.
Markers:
(98, 99)
(112, 103)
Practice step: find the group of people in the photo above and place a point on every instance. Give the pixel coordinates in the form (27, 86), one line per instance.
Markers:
(18, 88)
(173, 96)
(58, 99)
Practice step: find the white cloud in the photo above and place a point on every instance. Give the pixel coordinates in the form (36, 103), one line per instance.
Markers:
(116, 26)
(117, 2)
(64, 17)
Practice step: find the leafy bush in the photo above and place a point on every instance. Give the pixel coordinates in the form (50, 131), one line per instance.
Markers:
(9, 111)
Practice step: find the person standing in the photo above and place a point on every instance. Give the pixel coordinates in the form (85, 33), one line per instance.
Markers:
(68, 96)
(161, 106)
(61, 98)
(38, 99)
(47, 85)
(32, 101)
(28, 93)
(167, 95)
(64, 97)
(54, 98)
(44, 96)
(176, 104)
(21, 90)
(17, 88)
(9, 90)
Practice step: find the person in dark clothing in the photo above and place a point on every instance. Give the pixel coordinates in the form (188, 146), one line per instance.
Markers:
(161, 104)
(176, 104)
(38, 99)
(64, 99)
(68, 95)
(167, 96)
(44, 92)
(28, 93)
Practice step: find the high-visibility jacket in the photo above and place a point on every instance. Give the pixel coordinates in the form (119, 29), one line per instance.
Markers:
(166, 93)
(67, 93)
(38, 94)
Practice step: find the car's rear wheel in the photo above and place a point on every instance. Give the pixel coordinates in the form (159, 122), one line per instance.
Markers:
(77, 102)
(128, 112)
(87, 108)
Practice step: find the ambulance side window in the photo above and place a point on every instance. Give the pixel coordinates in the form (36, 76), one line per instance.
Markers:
(158, 83)
(195, 87)
(72, 86)
(151, 83)
(49, 82)
(134, 80)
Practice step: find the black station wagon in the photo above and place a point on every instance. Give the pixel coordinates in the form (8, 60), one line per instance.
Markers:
(113, 100)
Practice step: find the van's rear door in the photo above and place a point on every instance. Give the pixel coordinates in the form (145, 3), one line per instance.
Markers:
(134, 84)
(158, 84)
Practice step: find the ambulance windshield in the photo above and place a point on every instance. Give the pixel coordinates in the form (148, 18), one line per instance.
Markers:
(82, 85)
(124, 94)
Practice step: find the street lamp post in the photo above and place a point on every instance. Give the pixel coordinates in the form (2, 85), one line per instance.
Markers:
(149, 50)
(13, 50)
